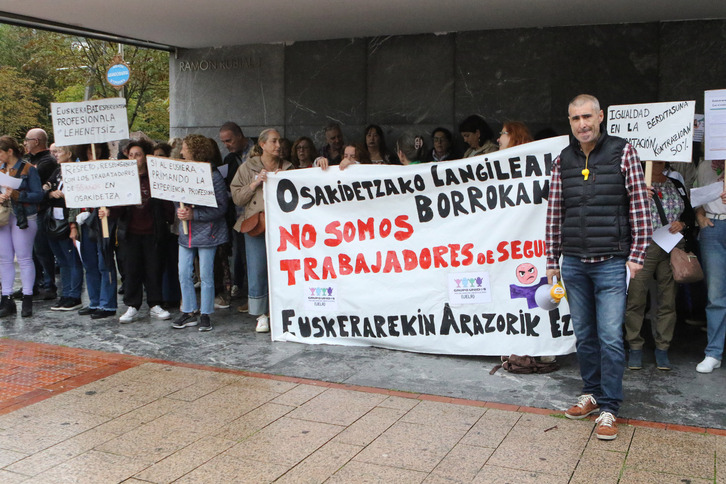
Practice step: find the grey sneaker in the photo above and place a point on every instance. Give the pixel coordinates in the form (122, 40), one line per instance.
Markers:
(185, 320)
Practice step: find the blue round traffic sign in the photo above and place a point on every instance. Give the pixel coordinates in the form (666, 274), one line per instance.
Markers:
(118, 74)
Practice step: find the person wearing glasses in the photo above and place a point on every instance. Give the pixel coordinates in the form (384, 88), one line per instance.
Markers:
(443, 149)
(303, 153)
(36, 146)
(513, 133)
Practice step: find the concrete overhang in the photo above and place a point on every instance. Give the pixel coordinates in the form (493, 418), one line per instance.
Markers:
(213, 23)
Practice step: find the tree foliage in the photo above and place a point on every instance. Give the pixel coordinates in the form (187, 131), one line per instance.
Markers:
(18, 106)
(61, 68)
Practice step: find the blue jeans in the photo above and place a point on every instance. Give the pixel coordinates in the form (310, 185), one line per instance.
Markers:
(100, 286)
(596, 294)
(713, 252)
(71, 269)
(256, 254)
(206, 275)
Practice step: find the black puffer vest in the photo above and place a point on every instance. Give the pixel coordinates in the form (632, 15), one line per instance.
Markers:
(596, 221)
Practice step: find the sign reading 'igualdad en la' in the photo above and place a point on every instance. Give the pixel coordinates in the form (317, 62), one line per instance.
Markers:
(435, 258)
(658, 131)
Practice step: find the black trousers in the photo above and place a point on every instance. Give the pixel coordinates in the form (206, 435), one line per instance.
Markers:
(143, 262)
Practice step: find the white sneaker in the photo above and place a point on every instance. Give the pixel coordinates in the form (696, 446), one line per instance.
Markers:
(130, 315)
(263, 324)
(708, 364)
(235, 292)
(160, 313)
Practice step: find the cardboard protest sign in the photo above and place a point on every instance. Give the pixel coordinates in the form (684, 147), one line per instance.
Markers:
(181, 181)
(90, 121)
(658, 131)
(715, 103)
(102, 183)
(435, 258)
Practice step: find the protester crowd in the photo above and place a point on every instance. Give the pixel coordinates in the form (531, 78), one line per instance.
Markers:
(166, 250)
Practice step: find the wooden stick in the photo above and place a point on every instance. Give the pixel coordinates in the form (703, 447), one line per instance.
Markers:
(185, 226)
(648, 173)
(104, 220)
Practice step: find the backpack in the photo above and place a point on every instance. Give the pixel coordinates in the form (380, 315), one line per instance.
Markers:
(524, 365)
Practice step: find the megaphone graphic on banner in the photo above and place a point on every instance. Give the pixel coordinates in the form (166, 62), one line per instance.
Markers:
(548, 296)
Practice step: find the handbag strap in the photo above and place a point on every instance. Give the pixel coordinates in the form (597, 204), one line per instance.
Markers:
(661, 212)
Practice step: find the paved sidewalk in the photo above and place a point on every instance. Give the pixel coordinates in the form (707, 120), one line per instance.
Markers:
(100, 417)
(680, 397)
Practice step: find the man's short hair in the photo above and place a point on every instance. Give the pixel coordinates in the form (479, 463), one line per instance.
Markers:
(332, 126)
(232, 127)
(581, 99)
(145, 146)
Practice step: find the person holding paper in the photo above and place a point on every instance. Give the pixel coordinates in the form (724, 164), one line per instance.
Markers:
(63, 248)
(247, 191)
(16, 238)
(97, 257)
(668, 205)
(711, 219)
(598, 221)
(201, 231)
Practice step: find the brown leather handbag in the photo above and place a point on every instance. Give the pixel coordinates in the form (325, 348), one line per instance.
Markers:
(253, 226)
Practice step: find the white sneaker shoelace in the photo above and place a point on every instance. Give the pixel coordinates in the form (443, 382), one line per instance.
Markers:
(584, 400)
(606, 419)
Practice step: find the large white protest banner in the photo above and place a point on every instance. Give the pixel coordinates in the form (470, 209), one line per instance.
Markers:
(715, 103)
(181, 181)
(435, 258)
(90, 121)
(102, 183)
(658, 131)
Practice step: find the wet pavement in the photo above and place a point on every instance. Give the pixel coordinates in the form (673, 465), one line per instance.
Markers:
(97, 417)
(681, 396)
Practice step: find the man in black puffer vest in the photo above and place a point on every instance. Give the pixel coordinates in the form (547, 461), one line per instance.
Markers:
(598, 220)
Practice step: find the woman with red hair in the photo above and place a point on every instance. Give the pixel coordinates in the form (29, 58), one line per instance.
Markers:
(513, 133)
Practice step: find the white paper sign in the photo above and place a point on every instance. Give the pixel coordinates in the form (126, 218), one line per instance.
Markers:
(102, 183)
(703, 195)
(658, 131)
(181, 181)
(665, 239)
(715, 103)
(435, 258)
(10, 181)
(90, 121)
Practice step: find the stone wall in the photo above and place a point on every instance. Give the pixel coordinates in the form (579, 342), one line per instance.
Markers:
(418, 82)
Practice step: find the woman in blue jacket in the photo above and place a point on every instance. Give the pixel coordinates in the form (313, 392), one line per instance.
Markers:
(17, 236)
(206, 230)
